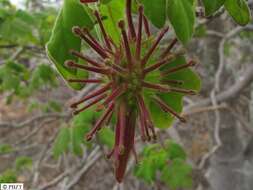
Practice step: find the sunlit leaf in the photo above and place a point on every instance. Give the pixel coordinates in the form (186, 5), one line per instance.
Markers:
(212, 6)
(239, 10)
(155, 10)
(62, 141)
(181, 14)
(190, 81)
(62, 39)
(113, 12)
(177, 175)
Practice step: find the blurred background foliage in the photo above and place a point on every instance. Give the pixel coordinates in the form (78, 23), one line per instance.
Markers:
(40, 140)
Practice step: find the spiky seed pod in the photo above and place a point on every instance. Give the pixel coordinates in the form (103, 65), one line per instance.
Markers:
(123, 80)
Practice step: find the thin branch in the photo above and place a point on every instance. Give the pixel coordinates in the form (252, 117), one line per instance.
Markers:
(34, 119)
(92, 158)
(232, 92)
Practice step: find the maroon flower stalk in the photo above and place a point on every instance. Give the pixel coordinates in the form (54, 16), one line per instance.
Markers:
(87, 68)
(146, 26)
(126, 44)
(96, 100)
(85, 81)
(190, 64)
(154, 46)
(100, 122)
(166, 108)
(96, 13)
(95, 46)
(85, 58)
(130, 19)
(139, 35)
(169, 48)
(92, 95)
(123, 73)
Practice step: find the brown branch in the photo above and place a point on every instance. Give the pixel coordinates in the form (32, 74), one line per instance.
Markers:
(232, 92)
(34, 119)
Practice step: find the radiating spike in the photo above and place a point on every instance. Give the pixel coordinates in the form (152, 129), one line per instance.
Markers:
(179, 68)
(172, 82)
(96, 100)
(142, 128)
(107, 42)
(115, 67)
(115, 94)
(166, 108)
(72, 64)
(157, 87)
(169, 48)
(109, 118)
(122, 123)
(159, 64)
(130, 19)
(126, 44)
(154, 46)
(78, 31)
(85, 58)
(92, 95)
(147, 116)
(146, 26)
(100, 122)
(85, 81)
(139, 35)
(142, 122)
(86, 31)
(183, 91)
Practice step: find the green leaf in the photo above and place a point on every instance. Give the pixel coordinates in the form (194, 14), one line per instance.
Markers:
(43, 75)
(62, 141)
(162, 119)
(85, 118)
(155, 10)
(55, 106)
(177, 175)
(11, 82)
(155, 158)
(62, 39)
(239, 10)
(77, 138)
(81, 125)
(5, 148)
(8, 176)
(190, 81)
(23, 162)
(146, 170)
(106, 137)
(189, 78)
(45, 21)
(25, 17)
(15, 67)
(181, 14)
(212, 6)
(174, 150)
(105, 1)
(15, 30)
(113, 12)
(200, 31)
